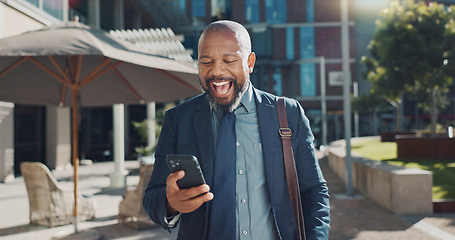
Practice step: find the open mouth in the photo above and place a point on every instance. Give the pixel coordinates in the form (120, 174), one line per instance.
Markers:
(222, 87)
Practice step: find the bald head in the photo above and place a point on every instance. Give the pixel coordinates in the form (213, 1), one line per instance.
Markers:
(225, 63)
(242, 35)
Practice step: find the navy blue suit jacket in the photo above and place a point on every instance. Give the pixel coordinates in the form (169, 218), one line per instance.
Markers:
(187, 130)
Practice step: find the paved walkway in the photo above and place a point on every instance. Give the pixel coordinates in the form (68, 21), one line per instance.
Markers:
(352, 217)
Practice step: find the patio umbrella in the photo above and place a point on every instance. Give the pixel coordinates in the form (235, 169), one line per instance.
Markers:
(71, 64)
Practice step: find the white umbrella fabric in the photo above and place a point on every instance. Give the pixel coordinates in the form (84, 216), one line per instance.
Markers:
(72, 64)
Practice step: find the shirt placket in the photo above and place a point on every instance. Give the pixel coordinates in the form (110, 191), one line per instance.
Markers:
(242, 192)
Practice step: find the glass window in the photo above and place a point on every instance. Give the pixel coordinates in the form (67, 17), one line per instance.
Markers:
(51, 7)
(34, 2)
(198, 12)
(277, 88)
(54, 8)
(307, 70)
(275, 11)
(252, 11)
(290, 55)
(221, 9)
(307, 79)
(262, 42)
(310, 10)
(307, 50)
(182, 4)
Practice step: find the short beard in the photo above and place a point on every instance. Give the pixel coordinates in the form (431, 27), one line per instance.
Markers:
(231, 106)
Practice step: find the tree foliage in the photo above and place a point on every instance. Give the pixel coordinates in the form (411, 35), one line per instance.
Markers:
(413, 51)
(369, 103)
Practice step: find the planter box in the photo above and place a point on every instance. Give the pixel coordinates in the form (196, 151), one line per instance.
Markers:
(444, 206)
(413, 147)
(390, 136)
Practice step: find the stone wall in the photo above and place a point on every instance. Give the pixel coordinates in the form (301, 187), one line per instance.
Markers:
(400, 190)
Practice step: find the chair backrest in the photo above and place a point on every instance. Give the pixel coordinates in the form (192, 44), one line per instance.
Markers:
(145, 173)
(40, 184)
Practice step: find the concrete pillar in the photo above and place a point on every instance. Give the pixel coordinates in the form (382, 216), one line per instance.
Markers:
(6, 142)
(118, 177)
(151, 126)
(58, 137)
(65, 9)
(94, 13)
(119, 16)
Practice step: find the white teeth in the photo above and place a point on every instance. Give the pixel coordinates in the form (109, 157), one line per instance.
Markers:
(220, 83)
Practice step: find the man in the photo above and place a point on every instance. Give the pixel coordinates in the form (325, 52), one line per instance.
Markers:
(259, 205)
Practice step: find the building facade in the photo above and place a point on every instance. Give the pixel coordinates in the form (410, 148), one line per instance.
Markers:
(297, 44)
(22, 128)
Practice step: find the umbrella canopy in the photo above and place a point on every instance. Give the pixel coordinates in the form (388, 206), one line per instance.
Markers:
(74, 65)
(43, 66)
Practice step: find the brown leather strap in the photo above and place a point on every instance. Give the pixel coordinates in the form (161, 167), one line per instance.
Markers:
(289, 164)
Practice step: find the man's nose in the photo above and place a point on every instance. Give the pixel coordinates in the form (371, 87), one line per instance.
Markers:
(218, 69)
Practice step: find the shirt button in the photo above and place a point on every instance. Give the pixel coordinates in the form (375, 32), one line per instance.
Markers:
(237, 144)
(243, 201)
(244, 232)
(240, 171)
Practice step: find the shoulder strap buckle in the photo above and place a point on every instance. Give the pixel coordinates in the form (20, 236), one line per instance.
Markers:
(285, 132)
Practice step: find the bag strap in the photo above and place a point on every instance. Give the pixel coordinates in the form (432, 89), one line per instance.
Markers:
(289, 164)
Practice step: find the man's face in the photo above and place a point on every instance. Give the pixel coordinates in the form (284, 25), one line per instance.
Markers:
(224, 68)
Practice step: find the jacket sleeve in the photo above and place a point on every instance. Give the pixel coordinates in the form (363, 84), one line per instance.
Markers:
(154, 200)
(313, 187)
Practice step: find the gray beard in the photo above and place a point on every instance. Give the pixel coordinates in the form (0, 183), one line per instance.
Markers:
(231, 106)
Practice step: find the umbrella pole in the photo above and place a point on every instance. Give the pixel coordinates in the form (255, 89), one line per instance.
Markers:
(75, 158)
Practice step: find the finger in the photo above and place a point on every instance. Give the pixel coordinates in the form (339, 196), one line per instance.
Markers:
(173, 178)
(173, 194)
(188, 200)
(195, 191)
(194, 203)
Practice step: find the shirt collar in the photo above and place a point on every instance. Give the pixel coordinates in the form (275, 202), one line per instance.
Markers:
(247, 99)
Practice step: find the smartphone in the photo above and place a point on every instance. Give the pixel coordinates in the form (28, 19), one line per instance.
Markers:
(188, 163)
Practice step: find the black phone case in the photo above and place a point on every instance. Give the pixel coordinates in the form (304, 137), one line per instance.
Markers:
(188, 163)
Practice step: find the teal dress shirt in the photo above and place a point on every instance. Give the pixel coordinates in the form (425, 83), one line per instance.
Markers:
(254, 210)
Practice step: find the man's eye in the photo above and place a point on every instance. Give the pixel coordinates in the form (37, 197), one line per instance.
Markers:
(205, 63)
(229, 61)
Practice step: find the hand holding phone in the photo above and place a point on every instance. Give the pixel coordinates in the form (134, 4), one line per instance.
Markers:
(188, 163)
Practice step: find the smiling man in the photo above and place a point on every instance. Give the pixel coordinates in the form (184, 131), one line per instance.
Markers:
(232, 129)
(225, 62)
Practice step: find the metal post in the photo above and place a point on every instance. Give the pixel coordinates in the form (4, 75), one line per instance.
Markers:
(323, 102)
(356, 113)
(346, 92)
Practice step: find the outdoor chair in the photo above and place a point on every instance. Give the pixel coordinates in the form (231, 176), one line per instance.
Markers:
(131, 211)
(50, 205)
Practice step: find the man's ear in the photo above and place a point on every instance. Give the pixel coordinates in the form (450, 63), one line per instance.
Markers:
(251, 61)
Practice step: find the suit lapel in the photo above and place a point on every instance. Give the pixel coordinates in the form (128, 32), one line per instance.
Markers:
(268, 128)
(202, 122)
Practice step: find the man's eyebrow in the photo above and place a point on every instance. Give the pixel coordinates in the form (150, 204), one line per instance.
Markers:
(203, 56)
(231, 55)
(224, 55)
